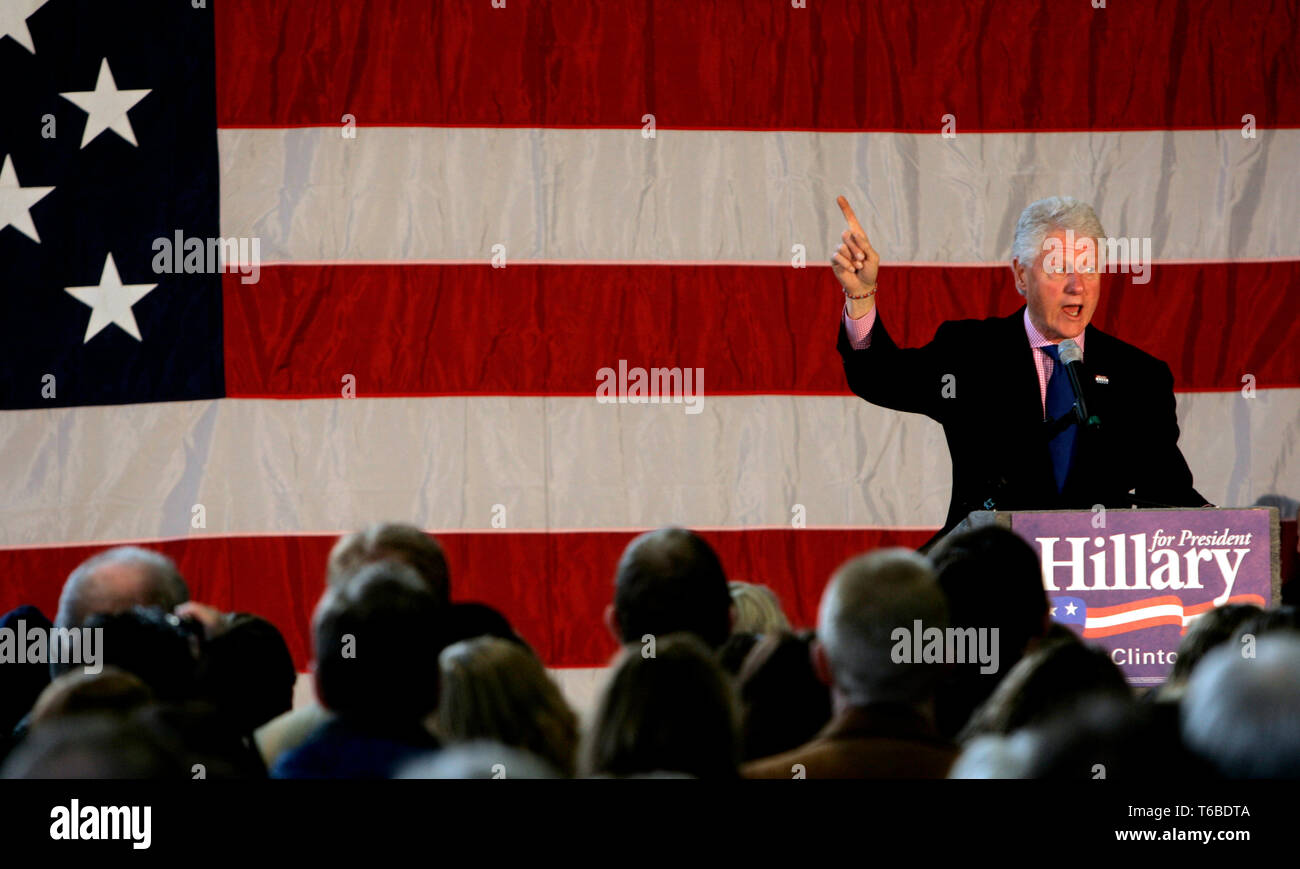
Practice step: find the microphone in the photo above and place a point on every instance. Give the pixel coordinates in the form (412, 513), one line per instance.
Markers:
(1072, 360)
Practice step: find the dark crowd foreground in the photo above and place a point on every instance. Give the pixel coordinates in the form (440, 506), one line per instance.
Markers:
(712, 680)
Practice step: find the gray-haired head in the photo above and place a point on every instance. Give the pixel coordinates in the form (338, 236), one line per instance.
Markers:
(478, 759)
(1240, 713)
(1041, 218)
(991, 756)
(117, 579)
(867, 599)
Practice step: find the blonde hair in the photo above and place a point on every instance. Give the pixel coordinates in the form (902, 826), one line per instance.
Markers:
(495, 689)
(757, 609)
(394, 541)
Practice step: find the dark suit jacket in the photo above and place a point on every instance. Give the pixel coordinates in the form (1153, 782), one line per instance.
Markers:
(994, 420)
(340, 749)
(872, 742)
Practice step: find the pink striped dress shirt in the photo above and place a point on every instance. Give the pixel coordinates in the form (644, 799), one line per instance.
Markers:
(859, 332)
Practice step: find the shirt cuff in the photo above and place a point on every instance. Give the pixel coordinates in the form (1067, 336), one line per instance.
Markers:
(859, 331)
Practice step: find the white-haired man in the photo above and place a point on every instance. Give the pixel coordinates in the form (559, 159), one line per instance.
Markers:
(996, 385)
(117, 579)
(883, 725)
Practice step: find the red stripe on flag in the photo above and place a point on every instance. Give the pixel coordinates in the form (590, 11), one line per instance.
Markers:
(548, 329)
(553, 587)
(1037, 65)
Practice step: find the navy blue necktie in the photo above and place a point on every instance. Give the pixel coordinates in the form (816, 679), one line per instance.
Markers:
(1059, 401)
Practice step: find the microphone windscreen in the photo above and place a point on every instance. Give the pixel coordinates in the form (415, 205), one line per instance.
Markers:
(1070, 352)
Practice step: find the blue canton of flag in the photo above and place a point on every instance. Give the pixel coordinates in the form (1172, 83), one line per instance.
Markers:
(108, 144)
(1069, 610)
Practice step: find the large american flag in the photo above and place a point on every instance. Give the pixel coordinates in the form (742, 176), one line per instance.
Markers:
(652, 176)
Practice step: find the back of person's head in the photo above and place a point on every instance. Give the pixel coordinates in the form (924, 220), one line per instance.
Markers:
(783, 702)
(118, 579)
(493, 689)
(1114, 739)
(468, 620)
(392, 541)
(992, 755)
(667, 707)
(757, 609)
(21, 683)
(1053, 679)
(992, 579)
(671, 581)
(97, 747)
(481, 759)
(734, 651)
(205, 739)
(1240, 712)
(376, 636)
(149, 643)
(110, 692)
(868, 598)
(1261, 622)
(247, 673)
(1209, 630)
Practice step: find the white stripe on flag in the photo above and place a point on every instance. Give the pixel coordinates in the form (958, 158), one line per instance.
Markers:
(324, 466)
(450, 194)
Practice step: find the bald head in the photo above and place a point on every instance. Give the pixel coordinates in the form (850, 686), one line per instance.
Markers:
(866, 600)
(118, 579)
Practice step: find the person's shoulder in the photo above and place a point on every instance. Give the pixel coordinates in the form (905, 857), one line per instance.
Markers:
(778, 766)
(1124, 354)
(975, 329)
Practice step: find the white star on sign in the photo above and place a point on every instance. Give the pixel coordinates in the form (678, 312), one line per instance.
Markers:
(107, 106)
(16, 201)
(1070, 608)
(111, 302)
(13, 21)
(1053, 612)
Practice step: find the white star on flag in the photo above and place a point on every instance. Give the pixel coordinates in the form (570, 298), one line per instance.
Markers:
(111, 302)
(1070, 609)
(107, 106)
(16, 201)
(13, 21)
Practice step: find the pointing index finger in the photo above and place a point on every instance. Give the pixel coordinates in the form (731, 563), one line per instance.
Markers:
(850, 216)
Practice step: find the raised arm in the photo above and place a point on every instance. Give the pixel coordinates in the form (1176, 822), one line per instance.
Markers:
(875, 367)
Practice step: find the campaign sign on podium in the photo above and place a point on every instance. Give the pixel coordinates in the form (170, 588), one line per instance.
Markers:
(1133, 581)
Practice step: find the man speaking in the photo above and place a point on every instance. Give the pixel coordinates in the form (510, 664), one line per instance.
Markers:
(1041, 410)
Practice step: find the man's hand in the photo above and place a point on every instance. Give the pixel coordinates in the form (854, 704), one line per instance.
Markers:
(856, 263)
(214, 621)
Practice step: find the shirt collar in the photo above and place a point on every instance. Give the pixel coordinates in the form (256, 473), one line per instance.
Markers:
(1036, 338)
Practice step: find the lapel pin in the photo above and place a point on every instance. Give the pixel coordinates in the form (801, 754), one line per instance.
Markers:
(1102, 379)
